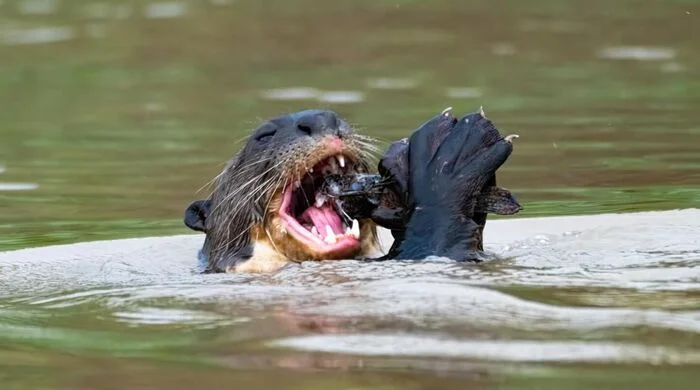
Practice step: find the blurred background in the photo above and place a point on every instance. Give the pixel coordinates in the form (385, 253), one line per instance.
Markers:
(114, 113)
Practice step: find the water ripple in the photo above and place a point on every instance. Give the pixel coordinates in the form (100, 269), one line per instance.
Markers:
(160, 316)
(341, 97)
(494, 350)
(37, 35)
(463, 93)
(292, 93)
(165, 10)
(633, 254)
(37, 7)
(18, 186)
(639, 53)
(392, 83)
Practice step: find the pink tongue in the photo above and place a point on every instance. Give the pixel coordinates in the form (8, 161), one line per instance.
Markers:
(323, 216)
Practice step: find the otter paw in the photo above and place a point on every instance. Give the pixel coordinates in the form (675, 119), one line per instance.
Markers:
(451, 186)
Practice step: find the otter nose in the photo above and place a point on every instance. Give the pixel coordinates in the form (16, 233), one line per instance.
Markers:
(315, 123)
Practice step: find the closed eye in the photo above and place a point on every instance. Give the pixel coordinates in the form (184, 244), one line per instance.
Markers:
(265, 136)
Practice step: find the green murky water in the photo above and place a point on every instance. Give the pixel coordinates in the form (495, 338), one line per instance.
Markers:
(113, 114)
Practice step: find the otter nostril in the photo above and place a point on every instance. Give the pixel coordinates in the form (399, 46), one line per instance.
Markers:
(304, 129)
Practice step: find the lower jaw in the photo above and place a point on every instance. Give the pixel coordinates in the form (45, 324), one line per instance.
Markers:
(311, 246)
(345, 248)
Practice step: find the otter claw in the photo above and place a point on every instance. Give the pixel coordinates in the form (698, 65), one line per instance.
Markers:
(511, 137)
(445, 111)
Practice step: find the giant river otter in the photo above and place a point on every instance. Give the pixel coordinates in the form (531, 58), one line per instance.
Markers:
(286, 196)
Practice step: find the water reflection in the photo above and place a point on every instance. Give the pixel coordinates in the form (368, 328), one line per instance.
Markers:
(305, 93)
(672, 67)
(95, 30)
(96, 10)
(165, 10)
(300, 93)
(37, 7)
(18, 186)
(392, 83)
(160, 316)
(493, 350)
(638, 53)
(5, 186)
(504, 49)
(37, 35)
(463, 93)
(341, 97)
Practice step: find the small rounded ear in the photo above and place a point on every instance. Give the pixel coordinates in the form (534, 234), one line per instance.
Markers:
(196, 215)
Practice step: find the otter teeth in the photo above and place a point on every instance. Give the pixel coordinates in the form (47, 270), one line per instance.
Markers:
(355, 229)
(314, 230)
(320, 200)
(341, 161)
(330, 235)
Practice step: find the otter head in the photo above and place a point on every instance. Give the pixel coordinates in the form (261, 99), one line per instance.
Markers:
(266, 210)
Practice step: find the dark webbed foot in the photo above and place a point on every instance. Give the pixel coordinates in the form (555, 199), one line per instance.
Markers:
(434, 190)
(451, 163)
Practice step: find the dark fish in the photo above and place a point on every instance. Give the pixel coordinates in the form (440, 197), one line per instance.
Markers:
(497, 200)
(356, 196)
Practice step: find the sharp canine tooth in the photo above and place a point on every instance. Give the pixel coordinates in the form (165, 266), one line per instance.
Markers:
(320, 200)
(330, 236)
(355, 230)
(341, 161)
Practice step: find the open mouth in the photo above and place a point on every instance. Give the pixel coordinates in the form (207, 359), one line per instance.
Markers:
(314, 220)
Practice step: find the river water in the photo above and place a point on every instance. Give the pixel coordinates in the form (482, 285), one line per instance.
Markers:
(114, 114)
